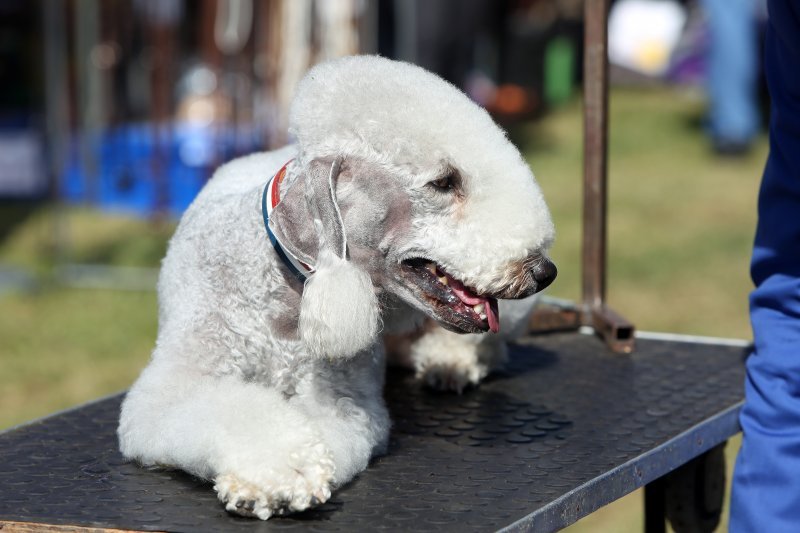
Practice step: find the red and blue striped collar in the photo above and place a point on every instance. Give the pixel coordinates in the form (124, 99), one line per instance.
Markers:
(269, 200)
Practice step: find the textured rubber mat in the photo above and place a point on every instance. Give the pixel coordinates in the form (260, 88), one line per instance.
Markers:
(567, 428)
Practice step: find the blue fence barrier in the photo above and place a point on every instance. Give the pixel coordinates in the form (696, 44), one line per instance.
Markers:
(142, 169)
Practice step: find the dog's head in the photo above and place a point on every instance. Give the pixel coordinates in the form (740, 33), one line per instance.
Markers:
(437, 207)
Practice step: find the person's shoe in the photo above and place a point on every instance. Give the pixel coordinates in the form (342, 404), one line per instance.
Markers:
(731, 148)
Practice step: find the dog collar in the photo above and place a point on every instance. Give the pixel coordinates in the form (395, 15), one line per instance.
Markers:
(269, 199)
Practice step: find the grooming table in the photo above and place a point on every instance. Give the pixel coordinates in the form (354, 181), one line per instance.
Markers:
(566, 429)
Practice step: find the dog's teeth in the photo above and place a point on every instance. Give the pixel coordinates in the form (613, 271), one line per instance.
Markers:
(443, 280)
(431, 267)
(478, 308)
(483, 317)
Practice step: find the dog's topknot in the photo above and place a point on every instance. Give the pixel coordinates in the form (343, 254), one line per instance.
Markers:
(374, 107)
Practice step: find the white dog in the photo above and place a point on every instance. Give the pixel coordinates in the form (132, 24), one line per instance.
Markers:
(401, 199)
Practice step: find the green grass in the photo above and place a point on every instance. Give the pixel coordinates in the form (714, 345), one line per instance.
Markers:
(61, 346)
(680, 231)
(33, 237)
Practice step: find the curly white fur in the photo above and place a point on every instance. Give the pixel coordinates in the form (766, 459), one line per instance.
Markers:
(273, 389)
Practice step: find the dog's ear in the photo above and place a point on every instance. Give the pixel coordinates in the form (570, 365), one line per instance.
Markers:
(339, 312)
(320, 191)
(293, 225)
(307, 218)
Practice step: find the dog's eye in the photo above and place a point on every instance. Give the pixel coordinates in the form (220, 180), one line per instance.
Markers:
(444, 184)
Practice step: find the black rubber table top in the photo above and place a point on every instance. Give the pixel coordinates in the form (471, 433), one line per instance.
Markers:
(567, 428)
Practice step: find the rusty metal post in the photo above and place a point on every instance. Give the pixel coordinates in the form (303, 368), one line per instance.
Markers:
(595, 150)
(616, 331)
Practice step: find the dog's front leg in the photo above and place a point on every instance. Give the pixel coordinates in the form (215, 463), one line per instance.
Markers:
(264, 454)
(342, 407)
(449, 361)
(344, 400)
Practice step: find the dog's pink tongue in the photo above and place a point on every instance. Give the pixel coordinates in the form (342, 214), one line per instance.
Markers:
(471, 299)
(492, 315)
(463, 293)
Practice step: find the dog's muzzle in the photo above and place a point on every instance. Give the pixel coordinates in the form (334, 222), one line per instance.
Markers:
(527, 277)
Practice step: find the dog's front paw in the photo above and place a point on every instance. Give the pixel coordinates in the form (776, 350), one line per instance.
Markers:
(451, 362)
(451, 376)
(304, 481)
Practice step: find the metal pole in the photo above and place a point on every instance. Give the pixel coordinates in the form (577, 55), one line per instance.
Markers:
(595, 150)
(56, 91)
(615, 330)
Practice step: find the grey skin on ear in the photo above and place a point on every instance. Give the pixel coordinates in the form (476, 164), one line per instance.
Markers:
(321, 197)
(307, 216)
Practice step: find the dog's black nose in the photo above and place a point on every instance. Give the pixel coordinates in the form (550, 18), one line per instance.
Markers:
(544, 273)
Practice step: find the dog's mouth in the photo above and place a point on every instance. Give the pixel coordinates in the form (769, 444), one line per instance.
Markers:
(453, 304)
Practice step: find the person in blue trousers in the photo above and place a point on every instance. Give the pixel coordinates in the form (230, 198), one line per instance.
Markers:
(766, 481)
(732, 75)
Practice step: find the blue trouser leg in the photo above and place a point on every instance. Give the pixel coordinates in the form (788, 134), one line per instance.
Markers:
(732, 70)
(766, 484)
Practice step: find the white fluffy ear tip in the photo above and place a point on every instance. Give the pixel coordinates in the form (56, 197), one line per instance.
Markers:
(339, 313)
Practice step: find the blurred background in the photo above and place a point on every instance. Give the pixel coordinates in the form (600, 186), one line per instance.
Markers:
(114, 113)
